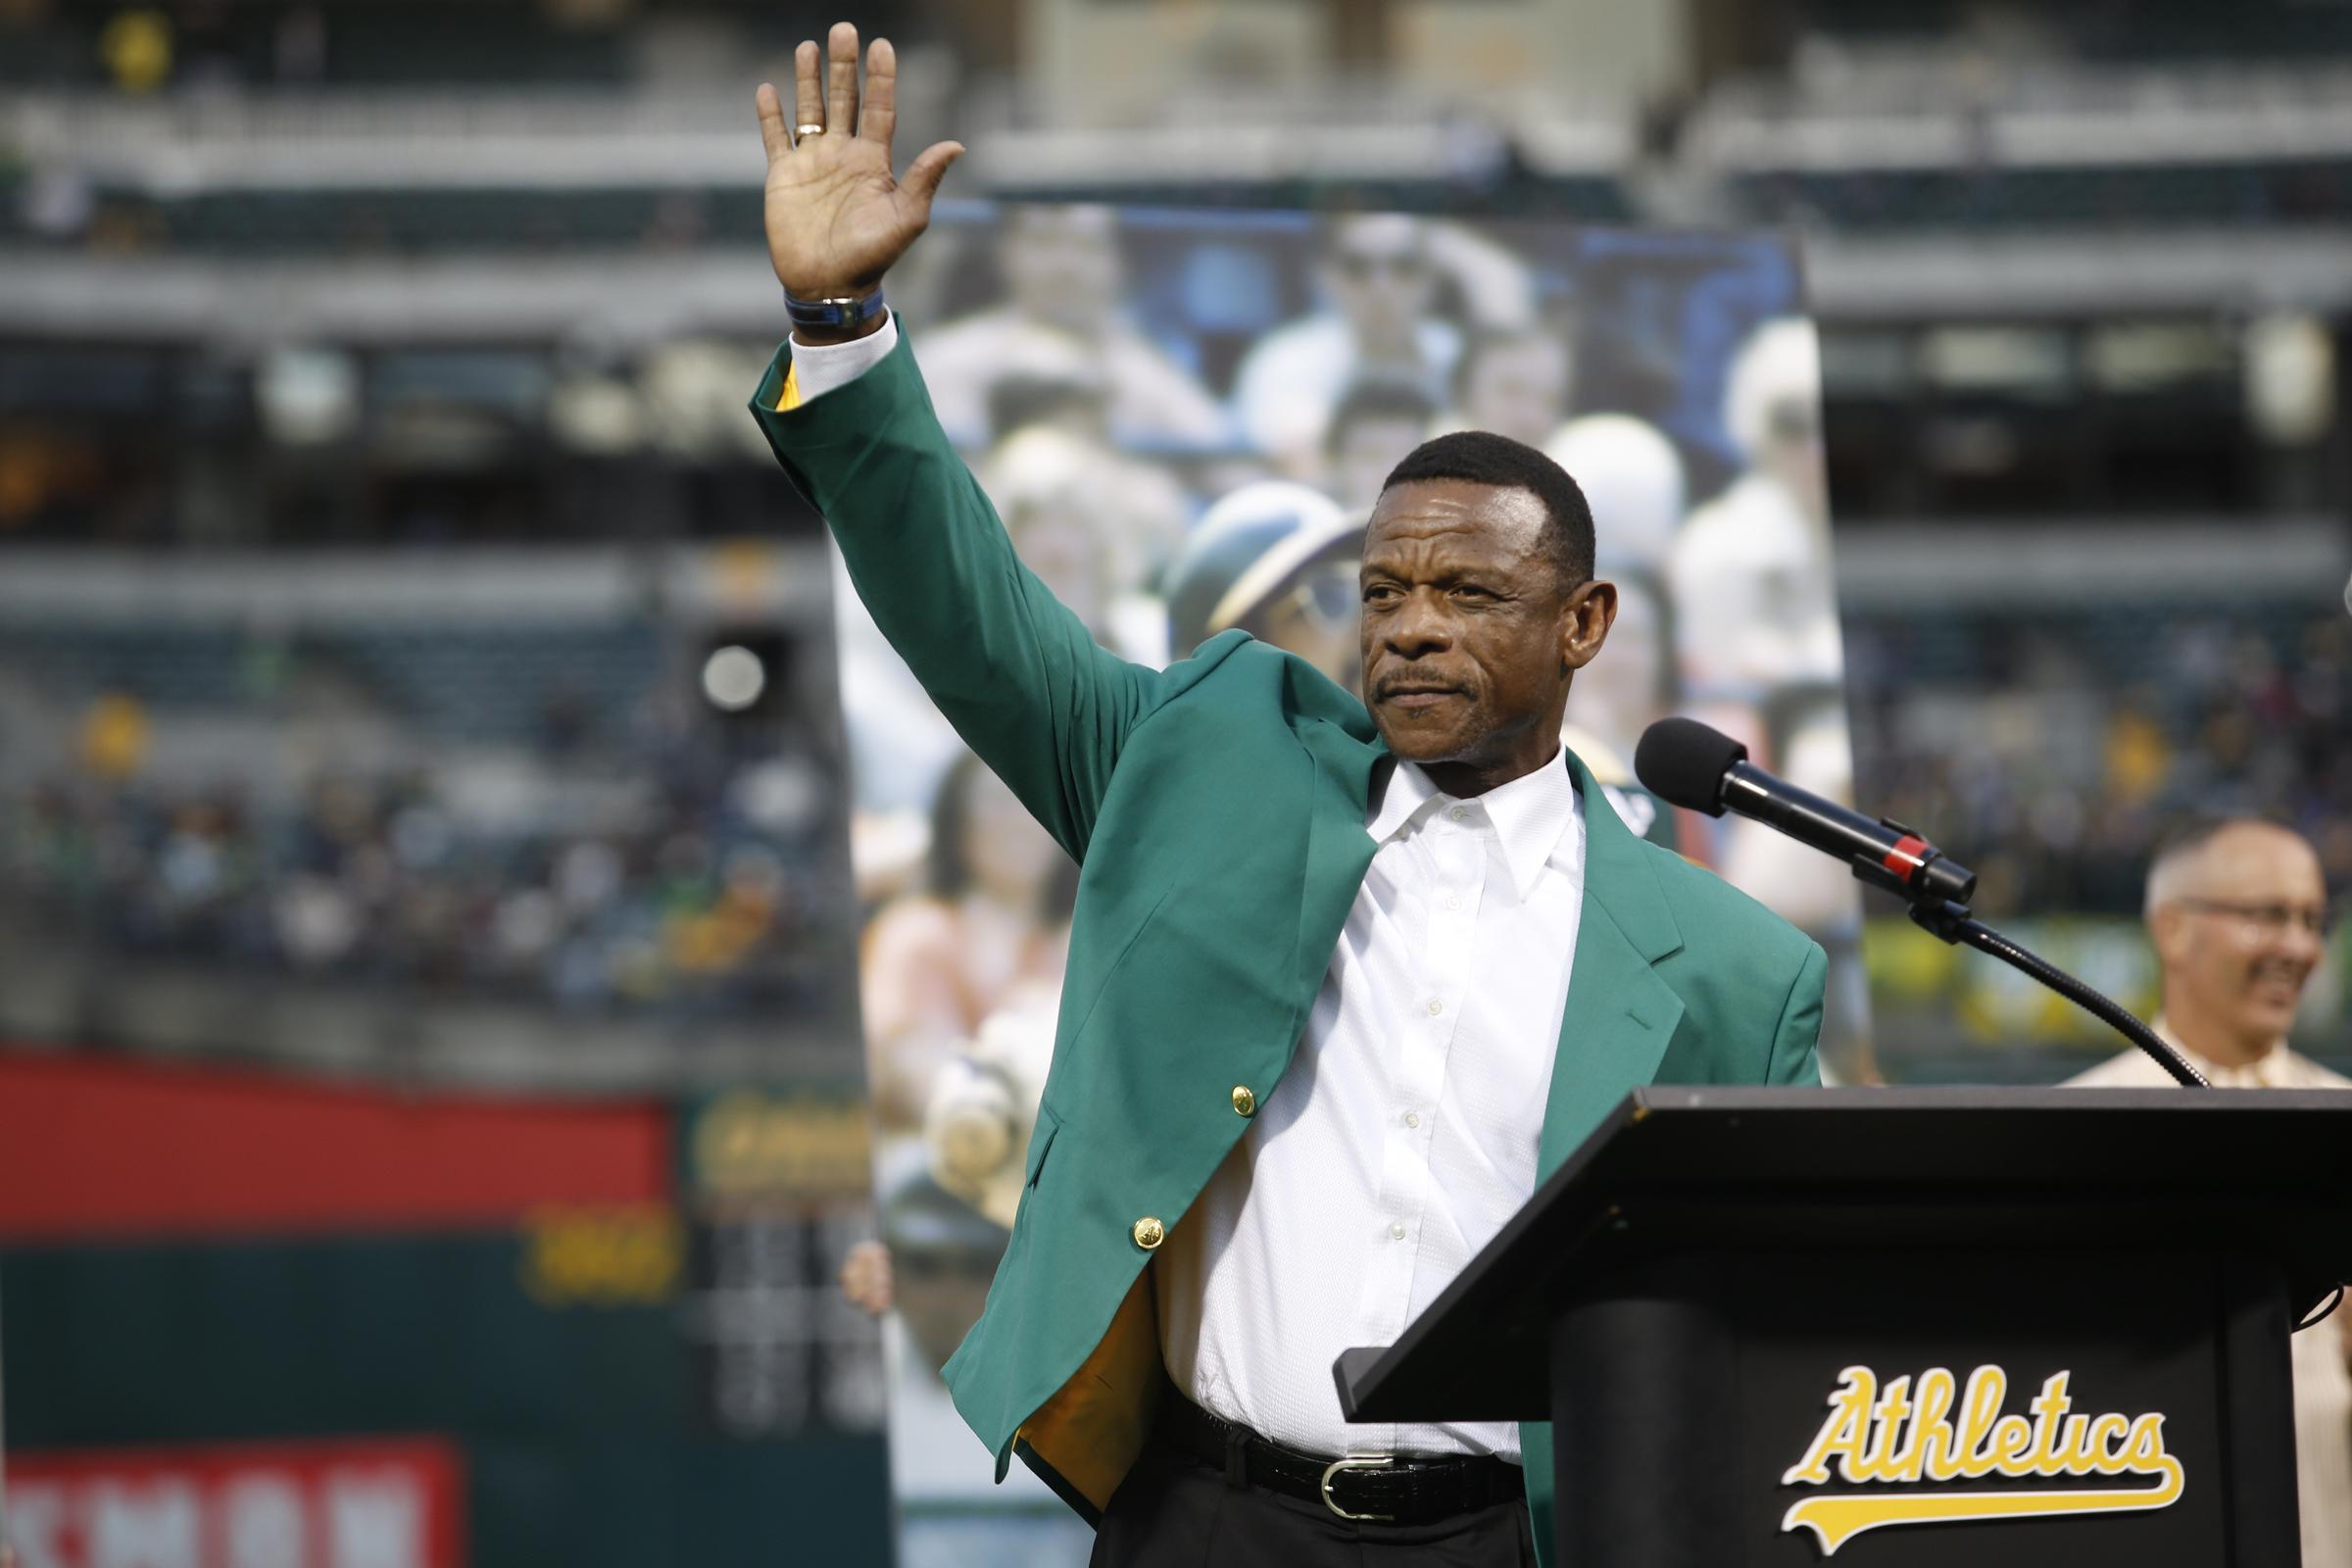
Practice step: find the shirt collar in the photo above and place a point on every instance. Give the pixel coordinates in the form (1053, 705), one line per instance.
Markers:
(1535, 815)
(2273, 1068)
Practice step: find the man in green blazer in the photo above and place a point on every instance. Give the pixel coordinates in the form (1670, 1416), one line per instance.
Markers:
(1344, 981)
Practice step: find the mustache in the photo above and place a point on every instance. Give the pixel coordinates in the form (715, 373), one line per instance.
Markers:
(1414, 680)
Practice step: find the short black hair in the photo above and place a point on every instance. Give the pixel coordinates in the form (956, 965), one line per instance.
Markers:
(1481, 456)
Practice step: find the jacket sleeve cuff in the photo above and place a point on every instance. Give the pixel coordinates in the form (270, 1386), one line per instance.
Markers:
(822, 367)
(821, 441)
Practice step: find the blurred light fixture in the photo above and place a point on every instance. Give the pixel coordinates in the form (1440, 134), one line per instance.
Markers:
(308, 396)
(2290, 380)
(733, 677)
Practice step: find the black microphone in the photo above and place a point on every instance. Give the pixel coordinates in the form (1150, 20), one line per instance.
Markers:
(1687, 763)
(1683, 762)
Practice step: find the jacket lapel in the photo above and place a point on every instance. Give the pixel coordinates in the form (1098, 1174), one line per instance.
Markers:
(1620, 1014)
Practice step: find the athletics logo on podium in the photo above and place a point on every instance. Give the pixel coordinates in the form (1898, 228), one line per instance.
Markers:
(1897, 1437)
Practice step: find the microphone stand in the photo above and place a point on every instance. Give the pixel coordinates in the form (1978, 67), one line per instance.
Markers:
(1952, 921)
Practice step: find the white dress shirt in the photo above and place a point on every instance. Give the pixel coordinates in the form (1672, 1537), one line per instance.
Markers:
(1404, 1132)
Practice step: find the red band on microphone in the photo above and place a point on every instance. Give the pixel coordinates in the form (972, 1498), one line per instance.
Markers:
(1905, 857)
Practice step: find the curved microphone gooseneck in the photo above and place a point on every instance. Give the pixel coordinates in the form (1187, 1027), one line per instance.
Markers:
(1687, 764)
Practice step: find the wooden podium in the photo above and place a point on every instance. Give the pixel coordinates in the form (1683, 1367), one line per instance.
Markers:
(1907, 1328)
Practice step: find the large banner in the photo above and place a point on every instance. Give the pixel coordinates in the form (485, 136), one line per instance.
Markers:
(1184, 418)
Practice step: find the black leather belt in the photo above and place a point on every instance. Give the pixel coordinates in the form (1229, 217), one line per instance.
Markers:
(1383, 1489)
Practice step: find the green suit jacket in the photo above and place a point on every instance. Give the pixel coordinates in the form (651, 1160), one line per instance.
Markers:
(1216, 808)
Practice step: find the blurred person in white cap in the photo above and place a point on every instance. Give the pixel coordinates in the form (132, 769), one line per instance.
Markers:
(2238, 912)
(1063, 277)
(1751, 572)
(1634, 477)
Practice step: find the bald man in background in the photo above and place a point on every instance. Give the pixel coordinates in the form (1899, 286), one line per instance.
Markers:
(2239, 912)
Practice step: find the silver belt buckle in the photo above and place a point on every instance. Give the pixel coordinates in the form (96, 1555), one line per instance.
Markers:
(1357, 1462)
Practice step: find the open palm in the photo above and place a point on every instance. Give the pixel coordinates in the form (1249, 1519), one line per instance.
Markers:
(836, 217)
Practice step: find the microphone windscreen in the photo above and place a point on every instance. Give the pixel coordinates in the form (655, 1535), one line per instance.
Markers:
(1681, 761)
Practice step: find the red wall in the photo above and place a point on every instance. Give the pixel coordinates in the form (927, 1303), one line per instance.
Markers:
(93, 1146)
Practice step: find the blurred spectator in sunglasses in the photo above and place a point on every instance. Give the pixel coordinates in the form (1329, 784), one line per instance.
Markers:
(2239, 915)
(1632, 478)
(1379, 284)
(1060, 317)
(1279, 561)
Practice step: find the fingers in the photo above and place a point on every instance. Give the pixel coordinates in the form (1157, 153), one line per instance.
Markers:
(771, 123)
(807, 97)
(878, 115)
(841, 80)
(923, 176)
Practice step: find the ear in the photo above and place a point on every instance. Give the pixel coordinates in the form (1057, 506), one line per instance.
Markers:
(2168, 929)
(1585, 621)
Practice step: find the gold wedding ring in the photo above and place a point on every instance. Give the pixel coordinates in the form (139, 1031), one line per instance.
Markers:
(799, 131)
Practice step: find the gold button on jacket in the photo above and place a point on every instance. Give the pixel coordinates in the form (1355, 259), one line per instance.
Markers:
(1244, 1101)
(1149, 1232)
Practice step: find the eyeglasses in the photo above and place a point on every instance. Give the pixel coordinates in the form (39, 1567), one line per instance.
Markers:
(2273, 919)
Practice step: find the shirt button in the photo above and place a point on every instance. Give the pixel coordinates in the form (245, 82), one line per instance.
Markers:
(1435, 1007)
(1453, 901)
(1149, 1233)
(1244, 1101)
(1396, 1233)
(1459, 814)
(1412, 1118)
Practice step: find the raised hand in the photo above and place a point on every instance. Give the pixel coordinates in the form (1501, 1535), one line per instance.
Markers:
(836, 217)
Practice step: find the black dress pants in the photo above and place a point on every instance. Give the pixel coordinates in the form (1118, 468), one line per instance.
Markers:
(1174, 1511)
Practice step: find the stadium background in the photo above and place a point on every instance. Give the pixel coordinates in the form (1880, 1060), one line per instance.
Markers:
(432, 1110)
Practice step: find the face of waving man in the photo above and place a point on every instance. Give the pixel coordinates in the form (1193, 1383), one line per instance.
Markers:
(1470, 635)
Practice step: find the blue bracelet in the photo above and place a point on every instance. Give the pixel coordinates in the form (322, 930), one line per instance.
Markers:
(832, 312)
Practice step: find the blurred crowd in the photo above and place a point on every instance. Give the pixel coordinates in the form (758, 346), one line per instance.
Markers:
(2065, 746)
(678, 863)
